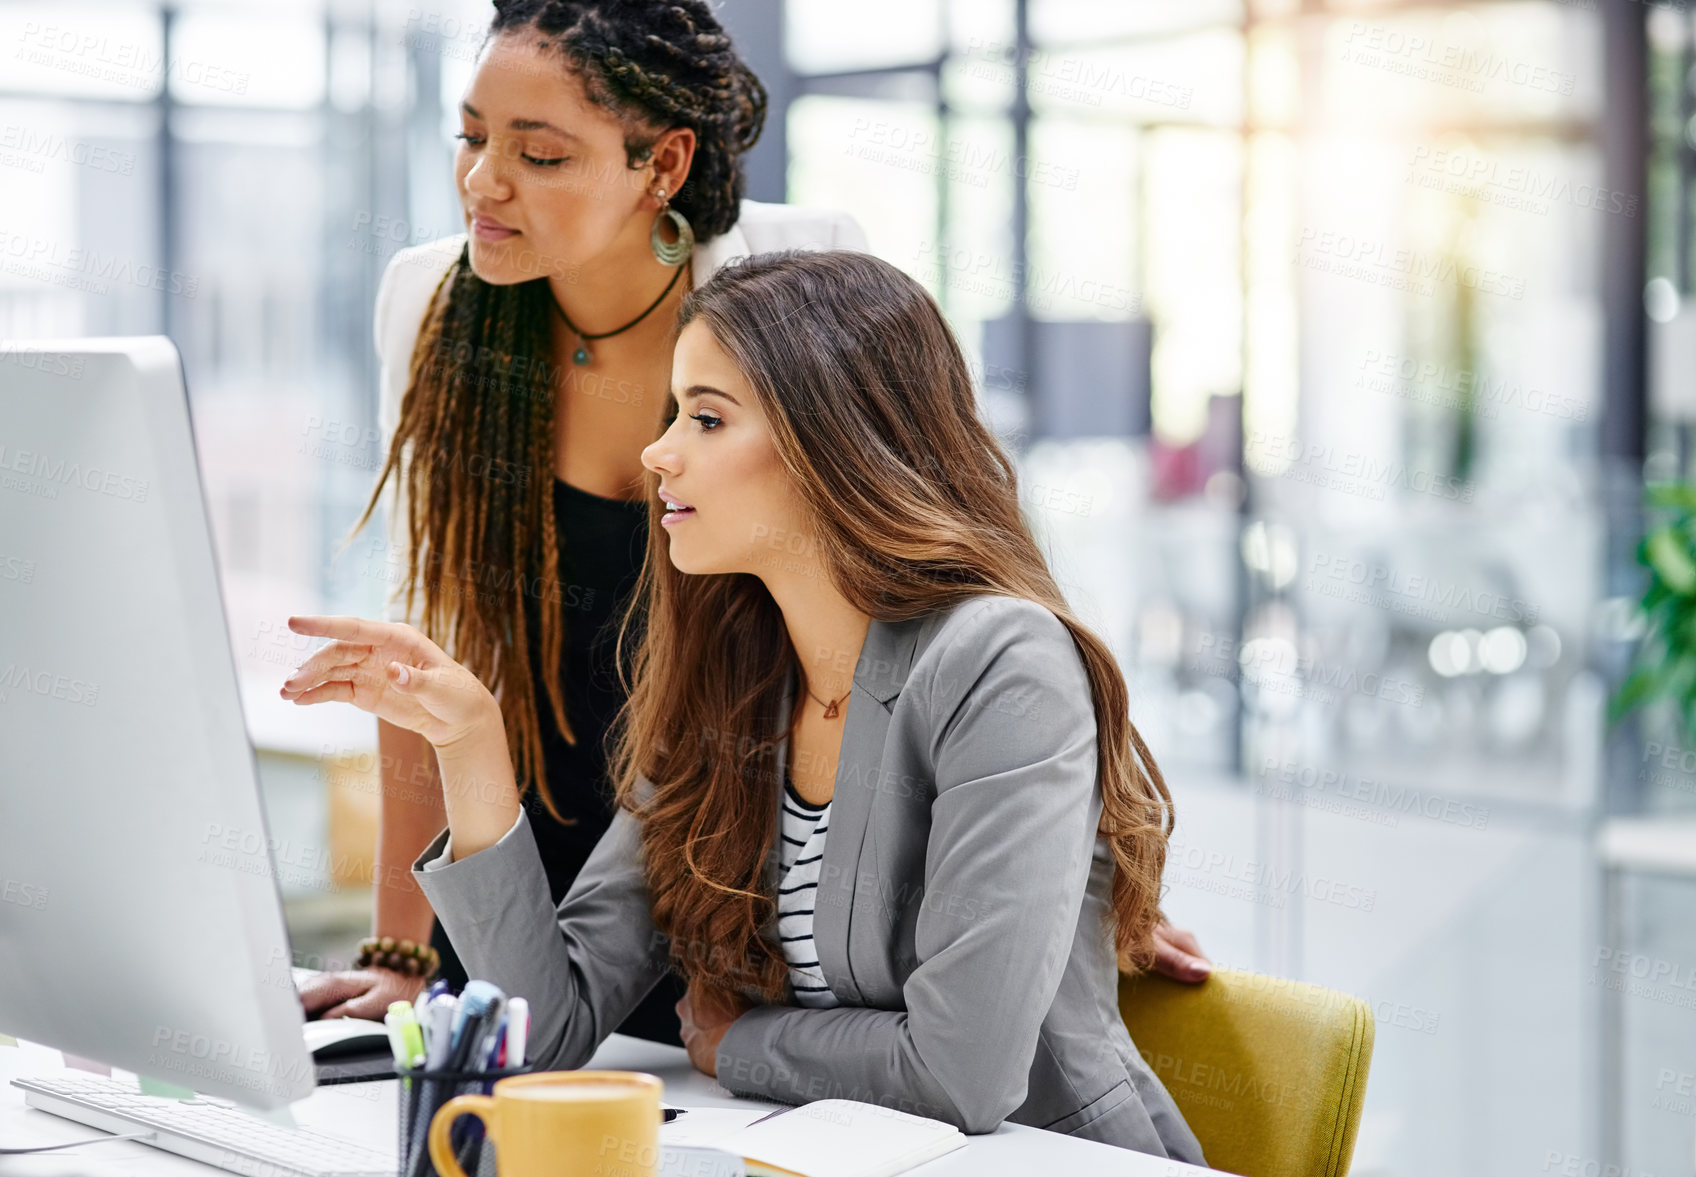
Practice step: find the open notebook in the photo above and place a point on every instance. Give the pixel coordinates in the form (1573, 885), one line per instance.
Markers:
(827, 1138)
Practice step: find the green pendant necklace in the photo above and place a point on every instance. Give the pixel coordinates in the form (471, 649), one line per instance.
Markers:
(581, 355)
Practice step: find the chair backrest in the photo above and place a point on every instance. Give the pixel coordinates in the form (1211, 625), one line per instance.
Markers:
(1270, 1074)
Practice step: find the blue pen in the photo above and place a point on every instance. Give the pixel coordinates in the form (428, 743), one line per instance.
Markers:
(489, 1035)
(492, 1057)
(480, 1006)
(469, 1021)
(437, 988)
(484, 1042)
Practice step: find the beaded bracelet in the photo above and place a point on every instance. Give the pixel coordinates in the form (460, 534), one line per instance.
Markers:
(403, 956)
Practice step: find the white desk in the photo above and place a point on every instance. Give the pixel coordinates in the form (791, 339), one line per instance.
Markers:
(365, 1112)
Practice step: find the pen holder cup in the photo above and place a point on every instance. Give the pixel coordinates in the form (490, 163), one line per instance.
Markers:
(422, 1093)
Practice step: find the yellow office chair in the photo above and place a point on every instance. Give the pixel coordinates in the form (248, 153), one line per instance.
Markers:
(1270, 1074)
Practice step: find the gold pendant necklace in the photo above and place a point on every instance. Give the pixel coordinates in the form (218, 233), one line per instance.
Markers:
(830, 706)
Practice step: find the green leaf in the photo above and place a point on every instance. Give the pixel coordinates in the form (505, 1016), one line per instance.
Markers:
(1664, 664)
(1669, 556)
(1642, 685)
(1676, 496)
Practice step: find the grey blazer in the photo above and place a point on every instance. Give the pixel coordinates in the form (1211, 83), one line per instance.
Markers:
(961, 914)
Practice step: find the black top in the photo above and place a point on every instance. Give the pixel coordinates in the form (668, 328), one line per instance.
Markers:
(795, 796)
(601, 544)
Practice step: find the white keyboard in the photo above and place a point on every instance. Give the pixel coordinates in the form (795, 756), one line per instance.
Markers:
(214, 1132)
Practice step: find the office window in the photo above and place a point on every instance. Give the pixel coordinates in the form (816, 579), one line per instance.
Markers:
(110, 52)
(226, 56)
(883, 33)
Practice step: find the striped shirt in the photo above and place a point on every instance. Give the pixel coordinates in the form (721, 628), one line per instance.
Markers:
(800, 852)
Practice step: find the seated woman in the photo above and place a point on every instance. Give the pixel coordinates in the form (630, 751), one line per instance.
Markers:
(880, 798)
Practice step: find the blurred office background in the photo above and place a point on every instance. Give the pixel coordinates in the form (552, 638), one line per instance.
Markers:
(1337, 339)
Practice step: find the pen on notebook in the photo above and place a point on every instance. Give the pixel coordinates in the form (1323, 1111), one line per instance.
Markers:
(670, 1114)
(770, 1115)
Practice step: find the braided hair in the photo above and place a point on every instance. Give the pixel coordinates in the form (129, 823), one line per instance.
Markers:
(668, 63)
(474, 444)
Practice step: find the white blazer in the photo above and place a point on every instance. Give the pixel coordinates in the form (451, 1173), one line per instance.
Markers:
(410, 279)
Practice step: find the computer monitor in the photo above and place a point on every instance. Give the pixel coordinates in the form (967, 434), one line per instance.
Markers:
(140, 921)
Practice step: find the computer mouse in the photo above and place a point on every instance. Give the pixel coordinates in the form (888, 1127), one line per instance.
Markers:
(340, 1037)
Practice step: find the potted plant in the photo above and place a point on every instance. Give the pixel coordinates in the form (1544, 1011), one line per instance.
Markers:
(1664, 664)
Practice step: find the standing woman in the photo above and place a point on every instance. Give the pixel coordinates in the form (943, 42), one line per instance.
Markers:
(525, 365)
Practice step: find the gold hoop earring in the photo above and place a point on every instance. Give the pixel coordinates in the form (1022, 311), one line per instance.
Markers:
(671, 253)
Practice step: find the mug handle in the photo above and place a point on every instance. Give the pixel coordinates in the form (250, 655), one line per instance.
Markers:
(441, 1147)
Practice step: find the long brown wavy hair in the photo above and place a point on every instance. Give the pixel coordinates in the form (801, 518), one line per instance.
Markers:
(915, 508)
(475, 440)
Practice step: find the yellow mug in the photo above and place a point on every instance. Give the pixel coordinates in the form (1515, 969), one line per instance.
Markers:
(561, 1124)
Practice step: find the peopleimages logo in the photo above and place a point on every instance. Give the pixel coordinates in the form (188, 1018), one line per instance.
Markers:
(35, 146)
(1511, 186)
(48, 685)
(1076, 79)
(34, 464)
(51, 363)
(1276, 666)
(17, 568)
(40, 258)
(961, 159)
(1378, 581)
(1349, 471)
(32, 896)
(1437, 60)
(1431, 382)
(1344, 254)
(1270, 883)
(1392, 798)
(124, 63)
(984, 272)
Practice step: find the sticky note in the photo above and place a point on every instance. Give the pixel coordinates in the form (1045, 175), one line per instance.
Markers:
(152, 1086)
(7, 1040)
(86, 1064)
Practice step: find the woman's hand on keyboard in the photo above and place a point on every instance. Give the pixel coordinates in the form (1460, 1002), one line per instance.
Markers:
(359, 993)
